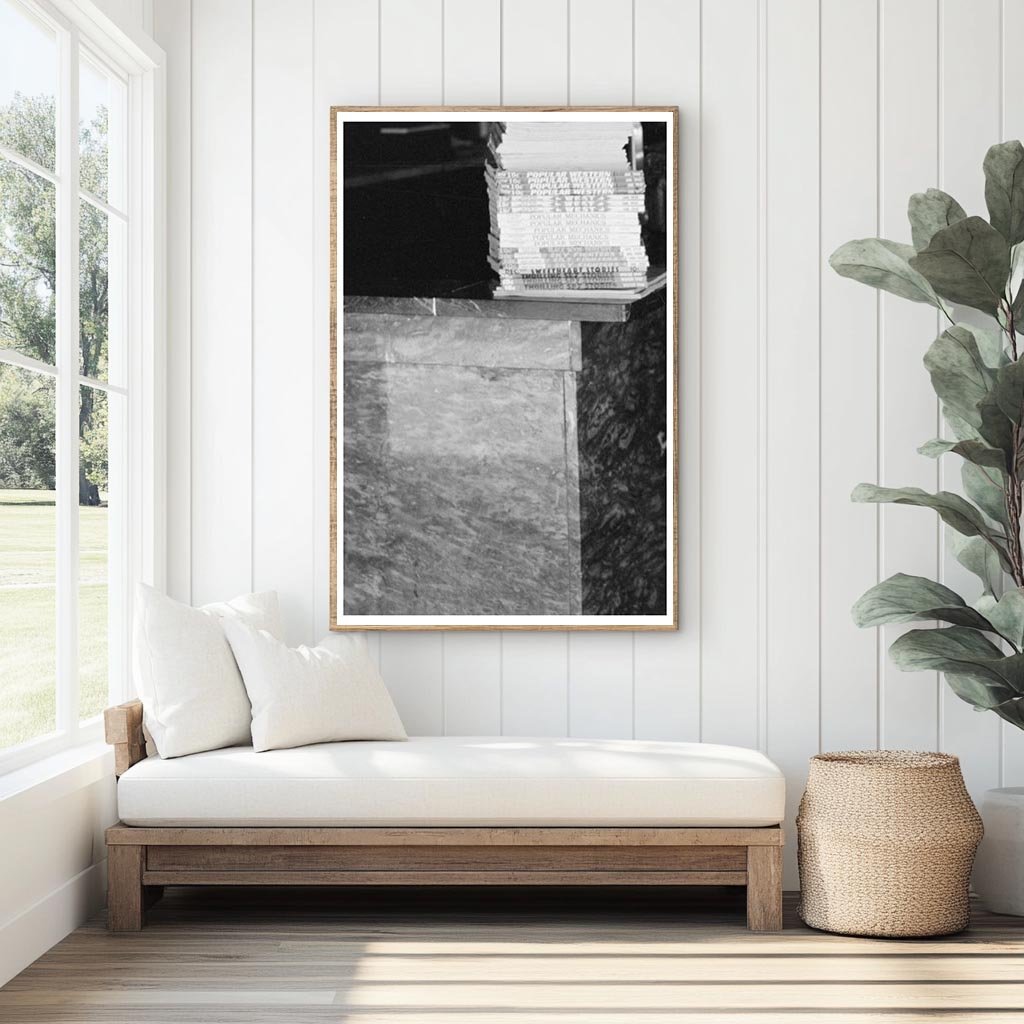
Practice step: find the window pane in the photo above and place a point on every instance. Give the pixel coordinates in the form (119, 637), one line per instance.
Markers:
(28, 545)
(101, 280)
(93, 551)
(101, 102)
(28, 85)
(28, 263)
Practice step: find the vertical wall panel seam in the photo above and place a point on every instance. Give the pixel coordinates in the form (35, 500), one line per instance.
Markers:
(821, 257)
(632, 50)
(633, 685)
(568, 53)
(252, 293)
(940, 717)
(191, 289)
(186, 349)
(568, 102)
(501, 52)
(1002, 70)
(761, 398)
(632, 93)
(879, 374)
(1002, 135)
(444, 686)
(380, 56)
(568, 686)
(314, 627)
(699, 342)
(444, 635)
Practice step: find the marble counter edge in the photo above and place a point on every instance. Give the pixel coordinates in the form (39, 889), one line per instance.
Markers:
(511, 309)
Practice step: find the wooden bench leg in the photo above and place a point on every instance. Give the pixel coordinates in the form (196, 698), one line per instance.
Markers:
(125, 896)
(764, 888)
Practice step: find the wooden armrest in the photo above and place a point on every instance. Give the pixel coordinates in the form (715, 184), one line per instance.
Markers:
(122, 729)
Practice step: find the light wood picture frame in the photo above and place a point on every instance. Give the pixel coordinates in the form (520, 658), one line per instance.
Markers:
(501, 460)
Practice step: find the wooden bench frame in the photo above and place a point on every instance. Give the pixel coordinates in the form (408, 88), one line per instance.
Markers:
(142, 860)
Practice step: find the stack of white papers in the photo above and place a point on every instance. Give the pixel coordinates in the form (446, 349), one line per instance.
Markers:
(565, 206)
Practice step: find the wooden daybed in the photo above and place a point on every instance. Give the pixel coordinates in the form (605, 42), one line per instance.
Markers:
(182, 849)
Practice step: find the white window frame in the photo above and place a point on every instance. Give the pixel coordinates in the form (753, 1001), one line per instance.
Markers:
(140, 63)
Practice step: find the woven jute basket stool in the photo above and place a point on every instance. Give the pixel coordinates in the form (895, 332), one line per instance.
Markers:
(886, 841)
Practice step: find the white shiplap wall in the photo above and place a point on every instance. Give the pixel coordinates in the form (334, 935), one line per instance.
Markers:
(804, 123)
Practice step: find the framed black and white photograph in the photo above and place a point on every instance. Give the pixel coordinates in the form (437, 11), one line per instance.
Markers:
(503, 368)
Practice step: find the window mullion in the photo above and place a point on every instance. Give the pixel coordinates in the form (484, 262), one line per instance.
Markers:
(67, 386)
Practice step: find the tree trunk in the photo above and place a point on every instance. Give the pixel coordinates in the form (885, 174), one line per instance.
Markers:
(88, 492)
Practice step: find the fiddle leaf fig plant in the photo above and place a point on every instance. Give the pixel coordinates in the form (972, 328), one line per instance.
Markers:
(977, 373)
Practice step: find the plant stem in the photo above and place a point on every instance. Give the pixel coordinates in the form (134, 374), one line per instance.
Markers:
(1013, 510)
(1012, 497)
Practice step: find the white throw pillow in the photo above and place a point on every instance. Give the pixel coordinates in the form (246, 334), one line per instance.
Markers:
(309, 694)
(192, 693)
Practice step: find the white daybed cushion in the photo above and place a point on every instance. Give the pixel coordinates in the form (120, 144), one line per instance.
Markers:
(457, 780)
(191, 690)
(303, 695)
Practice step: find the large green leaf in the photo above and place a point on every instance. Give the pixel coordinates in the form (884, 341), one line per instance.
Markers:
(985, 487)
(982, 693)
(929, 212)
(967, 263)
(953, 510)
(1006, 614)
(973, 451)
(958, 372)
(963, 652)
(1011, 711)
(996, 427)
(990, 345)
(1004, 189)
(883, 264)
(945, 650)
(1016, 308)
(1009, 390)
(1015, 289)
(903, 598)
(1015, 284)
(976, 555)
(961, 429)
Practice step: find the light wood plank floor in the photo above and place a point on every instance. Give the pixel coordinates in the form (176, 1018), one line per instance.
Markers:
(605, 957)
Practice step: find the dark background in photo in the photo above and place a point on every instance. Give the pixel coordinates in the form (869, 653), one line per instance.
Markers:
(415, 206)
